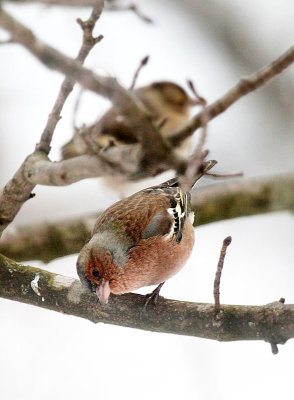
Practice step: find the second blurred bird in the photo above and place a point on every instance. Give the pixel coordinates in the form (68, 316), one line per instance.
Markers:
(166, 103)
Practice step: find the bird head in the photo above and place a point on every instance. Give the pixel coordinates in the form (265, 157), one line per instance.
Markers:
(172, 95)
(97, 270)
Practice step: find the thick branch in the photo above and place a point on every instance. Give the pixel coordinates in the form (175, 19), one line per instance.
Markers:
(273, 322)
(123, 160)
(47, 241)
(242, 88)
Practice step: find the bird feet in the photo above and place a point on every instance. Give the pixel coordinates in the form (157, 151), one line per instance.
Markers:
(152, 296)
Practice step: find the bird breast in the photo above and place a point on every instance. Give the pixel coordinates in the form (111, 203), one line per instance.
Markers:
(154, 260)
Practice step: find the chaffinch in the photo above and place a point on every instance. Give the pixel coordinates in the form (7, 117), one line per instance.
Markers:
(139, 241)
(167, 104)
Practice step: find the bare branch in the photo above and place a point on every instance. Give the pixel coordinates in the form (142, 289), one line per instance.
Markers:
(212, 203)
(54, 59)
(152, 143)
(110, 6)
(114, 6)
(72, 3)
(67, 85)
(242, 88)
(227, 241)
(217, 175)
(122, 161)
(18, 189)
(138, 70)
(196, 161)
(67, 295)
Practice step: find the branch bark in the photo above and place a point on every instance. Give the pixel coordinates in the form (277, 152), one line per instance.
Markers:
(48, 241)
(273, 322)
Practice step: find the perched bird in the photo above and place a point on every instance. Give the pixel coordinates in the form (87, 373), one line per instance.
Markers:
(166, 103)
(139, 241)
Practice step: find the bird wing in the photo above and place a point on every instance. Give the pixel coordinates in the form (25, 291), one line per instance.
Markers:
(156, 211)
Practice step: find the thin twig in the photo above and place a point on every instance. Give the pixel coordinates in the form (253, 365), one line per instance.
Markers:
(67, 85)
(196, 161)
(242, 88)
(76, 109)
(113, 6)
(216, 175)
(138, 70)
(216, 293)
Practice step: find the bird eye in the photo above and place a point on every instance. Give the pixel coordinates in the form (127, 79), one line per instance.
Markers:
(95, 272)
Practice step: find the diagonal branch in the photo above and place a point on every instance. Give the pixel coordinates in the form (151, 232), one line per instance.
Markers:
(242, 88)
(67, 85)
(273, 322)
(152, 143)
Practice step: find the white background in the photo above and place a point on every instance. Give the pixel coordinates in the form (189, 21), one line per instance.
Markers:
(46, 355)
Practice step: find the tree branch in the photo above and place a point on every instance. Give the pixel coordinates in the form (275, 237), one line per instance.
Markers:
(48, 241)
(152, 143)
(156, 154)
(242, 88)
(110, 5)
(273, 322)
(19, 189)
(243, 197)
(67, 85)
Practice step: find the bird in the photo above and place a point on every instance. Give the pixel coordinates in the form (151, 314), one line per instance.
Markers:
(139, 241)
(165, 102)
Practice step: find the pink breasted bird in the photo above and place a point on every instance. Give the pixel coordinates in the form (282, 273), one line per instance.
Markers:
(139, 241)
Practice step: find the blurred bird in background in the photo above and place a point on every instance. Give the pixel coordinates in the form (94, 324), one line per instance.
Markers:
(139, 241)
(167, 104)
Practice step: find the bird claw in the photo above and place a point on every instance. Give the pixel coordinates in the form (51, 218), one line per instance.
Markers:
(152, 296)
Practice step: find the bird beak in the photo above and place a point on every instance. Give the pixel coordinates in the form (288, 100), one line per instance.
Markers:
(103, 291)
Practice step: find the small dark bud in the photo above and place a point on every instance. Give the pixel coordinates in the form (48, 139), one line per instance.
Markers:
(228, 241)
(145, 60)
